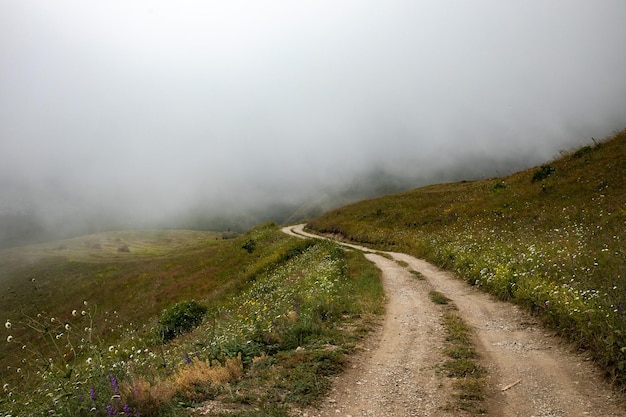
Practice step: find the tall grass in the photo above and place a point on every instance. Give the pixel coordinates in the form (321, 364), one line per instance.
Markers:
(550, 238)
(279, 309)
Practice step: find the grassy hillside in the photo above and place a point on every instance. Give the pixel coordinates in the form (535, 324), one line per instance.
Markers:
(153, 322)
(552, 238)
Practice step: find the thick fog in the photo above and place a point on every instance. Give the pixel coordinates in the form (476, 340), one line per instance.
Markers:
(117, 113)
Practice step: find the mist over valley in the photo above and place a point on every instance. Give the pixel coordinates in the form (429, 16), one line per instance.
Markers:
(223, 115)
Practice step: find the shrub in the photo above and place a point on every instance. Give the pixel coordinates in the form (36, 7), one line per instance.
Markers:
(582, 151)
(181, 318)
(250, 245)
(542, 173)
(499, 186)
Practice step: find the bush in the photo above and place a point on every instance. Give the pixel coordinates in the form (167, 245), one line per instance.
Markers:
(542, 173)
(582, 151)
(181, 318)
(498, 187)
(250, 245)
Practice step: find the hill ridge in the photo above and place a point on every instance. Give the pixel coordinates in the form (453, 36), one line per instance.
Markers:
(550, 238)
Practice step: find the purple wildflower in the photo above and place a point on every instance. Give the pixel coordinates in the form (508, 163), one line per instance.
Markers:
(92, 394)
(187, 359)
(114, 384)
(111, 411)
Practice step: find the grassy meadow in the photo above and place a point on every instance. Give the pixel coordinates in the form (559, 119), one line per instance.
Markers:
(255, 323)
(551, 238)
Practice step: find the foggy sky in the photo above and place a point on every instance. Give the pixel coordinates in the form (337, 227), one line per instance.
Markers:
(150, 109)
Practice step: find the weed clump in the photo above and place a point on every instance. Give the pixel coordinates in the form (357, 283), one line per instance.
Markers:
(438, 298)
(418, 275)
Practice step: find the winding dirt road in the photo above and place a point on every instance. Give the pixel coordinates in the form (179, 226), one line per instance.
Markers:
(396, 372)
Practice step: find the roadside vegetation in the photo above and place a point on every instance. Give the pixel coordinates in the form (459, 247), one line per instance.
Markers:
(551, 238)
(245, 326)
(470, 378)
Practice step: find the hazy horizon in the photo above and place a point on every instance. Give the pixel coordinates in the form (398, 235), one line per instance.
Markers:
(153, 112)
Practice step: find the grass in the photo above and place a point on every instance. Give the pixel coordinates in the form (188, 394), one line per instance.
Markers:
(418, 275)
(470, 378)
(83, 337)
(438, 298)
(126, 291)
(550, 238)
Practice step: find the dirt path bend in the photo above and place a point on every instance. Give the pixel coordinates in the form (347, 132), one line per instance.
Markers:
(396, 375)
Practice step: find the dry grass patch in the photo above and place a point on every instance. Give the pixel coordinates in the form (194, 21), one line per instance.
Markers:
(192, 384)
(202, 380)
(151, 398)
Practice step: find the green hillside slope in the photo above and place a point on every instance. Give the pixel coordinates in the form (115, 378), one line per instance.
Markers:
(552, 238)
(152, 323)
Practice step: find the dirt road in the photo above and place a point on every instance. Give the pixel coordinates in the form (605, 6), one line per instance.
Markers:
(396, 375)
